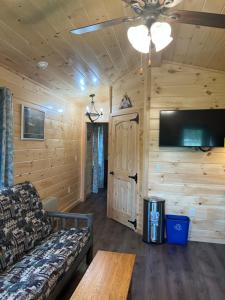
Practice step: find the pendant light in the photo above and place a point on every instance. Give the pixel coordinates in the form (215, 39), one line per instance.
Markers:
(91, 112)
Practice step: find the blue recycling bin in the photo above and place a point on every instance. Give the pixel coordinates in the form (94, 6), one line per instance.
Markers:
(177, 229)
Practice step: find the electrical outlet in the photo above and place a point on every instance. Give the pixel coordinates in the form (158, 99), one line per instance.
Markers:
(192, 212)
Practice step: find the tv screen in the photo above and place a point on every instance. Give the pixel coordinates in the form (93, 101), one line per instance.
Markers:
(192, 128)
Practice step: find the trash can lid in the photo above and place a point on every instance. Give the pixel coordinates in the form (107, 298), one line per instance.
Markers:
(154, 199)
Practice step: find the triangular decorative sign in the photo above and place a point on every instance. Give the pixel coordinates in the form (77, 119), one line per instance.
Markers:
(125, 102)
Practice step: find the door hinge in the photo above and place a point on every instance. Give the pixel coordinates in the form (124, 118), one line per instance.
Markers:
(134, 223)
(135, 177)
(136, 119)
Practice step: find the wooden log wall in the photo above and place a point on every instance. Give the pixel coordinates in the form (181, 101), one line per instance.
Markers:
(191, 182)
(53, 165)
(131, 84)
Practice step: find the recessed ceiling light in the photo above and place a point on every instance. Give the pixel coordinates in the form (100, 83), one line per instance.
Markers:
(82, 81)
(42, 65)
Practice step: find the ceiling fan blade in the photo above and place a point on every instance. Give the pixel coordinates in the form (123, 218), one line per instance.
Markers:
(198, 18)
(101, 25)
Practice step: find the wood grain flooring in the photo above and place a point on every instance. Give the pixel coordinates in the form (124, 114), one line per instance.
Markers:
(164, 272)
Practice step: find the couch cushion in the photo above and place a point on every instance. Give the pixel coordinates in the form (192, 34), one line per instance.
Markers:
(23, 222)
(37, 273)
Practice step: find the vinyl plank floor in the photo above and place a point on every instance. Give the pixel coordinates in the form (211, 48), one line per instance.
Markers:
(162, 272)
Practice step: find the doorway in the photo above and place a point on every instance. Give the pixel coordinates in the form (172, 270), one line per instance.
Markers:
(96, 169)
(125, 168)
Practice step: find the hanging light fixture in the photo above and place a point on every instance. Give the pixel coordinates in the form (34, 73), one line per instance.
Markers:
(91, 112)
(140, 36)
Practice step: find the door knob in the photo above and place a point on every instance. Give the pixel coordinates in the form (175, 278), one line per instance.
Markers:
(111, 173)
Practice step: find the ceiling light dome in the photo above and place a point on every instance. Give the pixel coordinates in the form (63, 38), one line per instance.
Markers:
(139, 38)
(161, 35)
(42, 65)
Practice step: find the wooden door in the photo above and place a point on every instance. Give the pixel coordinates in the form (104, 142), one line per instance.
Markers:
(123, 169)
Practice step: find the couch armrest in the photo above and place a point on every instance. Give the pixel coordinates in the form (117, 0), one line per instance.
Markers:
(63, 217)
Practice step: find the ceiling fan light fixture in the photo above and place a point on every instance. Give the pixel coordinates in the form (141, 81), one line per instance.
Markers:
(161, 35)
(171, 3)
(162, 43)
(139, 38)
(160, 28)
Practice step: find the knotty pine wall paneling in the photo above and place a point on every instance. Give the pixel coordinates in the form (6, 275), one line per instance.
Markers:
(189, 180)
(52, 165)
(131, 84)
(192, 182)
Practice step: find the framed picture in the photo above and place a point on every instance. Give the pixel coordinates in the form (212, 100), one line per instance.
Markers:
(32, 124)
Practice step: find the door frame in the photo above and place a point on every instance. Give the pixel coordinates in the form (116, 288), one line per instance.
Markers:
(83, 194)
(128, 111)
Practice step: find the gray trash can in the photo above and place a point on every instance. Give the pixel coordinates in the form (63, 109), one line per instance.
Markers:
(153, 223)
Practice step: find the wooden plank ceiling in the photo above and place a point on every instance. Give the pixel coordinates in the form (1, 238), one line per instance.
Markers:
(33, 30)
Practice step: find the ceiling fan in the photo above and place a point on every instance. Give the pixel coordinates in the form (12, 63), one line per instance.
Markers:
(151, 12)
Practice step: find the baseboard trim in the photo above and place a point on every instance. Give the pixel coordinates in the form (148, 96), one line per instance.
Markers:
(71, 206)
(199, 240)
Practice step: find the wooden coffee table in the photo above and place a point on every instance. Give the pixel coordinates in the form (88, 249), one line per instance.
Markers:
(107, 278)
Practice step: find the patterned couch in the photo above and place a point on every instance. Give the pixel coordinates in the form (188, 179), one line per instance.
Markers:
(39, 250)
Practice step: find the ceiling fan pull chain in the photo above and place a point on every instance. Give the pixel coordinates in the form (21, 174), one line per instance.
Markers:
(141, 68)
(150, 54)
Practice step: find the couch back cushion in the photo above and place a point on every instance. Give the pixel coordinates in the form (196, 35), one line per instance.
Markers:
(23, 222)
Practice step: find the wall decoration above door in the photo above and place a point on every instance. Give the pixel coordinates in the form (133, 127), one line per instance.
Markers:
(125, 102)
(32, 123)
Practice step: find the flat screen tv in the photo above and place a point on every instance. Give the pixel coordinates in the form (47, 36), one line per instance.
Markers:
(192, 128)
